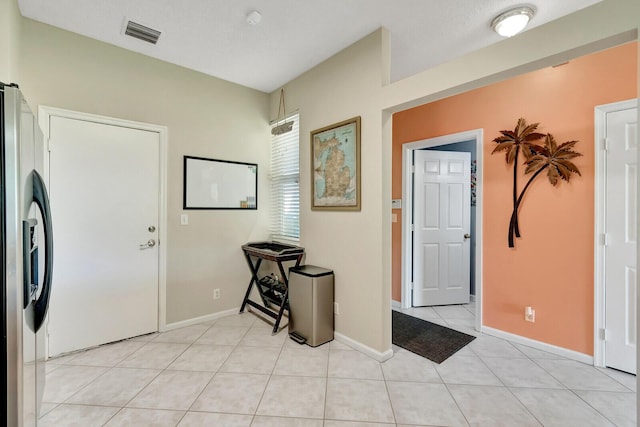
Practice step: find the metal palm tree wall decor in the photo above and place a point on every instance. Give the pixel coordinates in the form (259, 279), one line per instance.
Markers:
(512, 141)
(554, 158)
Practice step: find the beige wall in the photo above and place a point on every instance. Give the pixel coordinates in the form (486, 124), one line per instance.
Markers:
(350, 243)
(10, 21)
(205, 117)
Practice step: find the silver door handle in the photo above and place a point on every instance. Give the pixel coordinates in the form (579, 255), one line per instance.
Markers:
(151, 243)
(467, 236)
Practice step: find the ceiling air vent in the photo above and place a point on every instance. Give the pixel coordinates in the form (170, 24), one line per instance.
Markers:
(142, 32)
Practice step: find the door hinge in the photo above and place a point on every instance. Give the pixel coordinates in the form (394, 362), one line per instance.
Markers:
(413, 227)
(413, 169)
(605, 144)
(411, 286)
(49, 145)
(604, 239)
(602, 334)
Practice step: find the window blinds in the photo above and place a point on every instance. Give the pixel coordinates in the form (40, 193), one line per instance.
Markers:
(285, 183)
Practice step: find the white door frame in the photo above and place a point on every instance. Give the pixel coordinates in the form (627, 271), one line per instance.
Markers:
(599, 209)
(44, 115)
(407, 209)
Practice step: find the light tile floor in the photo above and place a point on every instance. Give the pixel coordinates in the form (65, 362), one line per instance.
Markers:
(233, 372)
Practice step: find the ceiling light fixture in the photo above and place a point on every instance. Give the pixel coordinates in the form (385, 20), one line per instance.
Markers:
(254, 17)
(513, 21)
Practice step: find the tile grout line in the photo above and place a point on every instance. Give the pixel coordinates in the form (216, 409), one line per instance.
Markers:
(212, 376)
(572, 391)
(255, 413)
(446, 386)
(326, 387)
(109, 369)
(604, 371)
(591, 406)
(504, 386)
(525, 406)
(386, 387)
(159, 373)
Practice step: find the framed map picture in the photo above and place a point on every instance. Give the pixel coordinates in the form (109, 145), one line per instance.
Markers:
(335, 167)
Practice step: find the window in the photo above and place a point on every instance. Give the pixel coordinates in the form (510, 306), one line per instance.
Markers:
(285, 183)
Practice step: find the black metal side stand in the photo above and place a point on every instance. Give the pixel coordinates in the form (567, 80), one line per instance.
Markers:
(273, 291)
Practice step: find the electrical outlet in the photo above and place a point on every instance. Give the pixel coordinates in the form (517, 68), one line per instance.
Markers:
(216, 293)
(529, 314)
(336, 308)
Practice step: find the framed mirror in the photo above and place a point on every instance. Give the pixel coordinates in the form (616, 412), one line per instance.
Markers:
(219, 184)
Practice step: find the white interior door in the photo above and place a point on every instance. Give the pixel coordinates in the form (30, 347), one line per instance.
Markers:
(620, 252)
(104, 191)
(441, 218)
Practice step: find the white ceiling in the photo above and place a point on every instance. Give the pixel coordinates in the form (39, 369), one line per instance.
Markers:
(213, 36)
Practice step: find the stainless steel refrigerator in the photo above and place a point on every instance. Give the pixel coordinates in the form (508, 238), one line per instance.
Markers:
(27, 258)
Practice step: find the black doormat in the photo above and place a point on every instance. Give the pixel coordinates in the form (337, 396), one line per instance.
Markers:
(436, 343)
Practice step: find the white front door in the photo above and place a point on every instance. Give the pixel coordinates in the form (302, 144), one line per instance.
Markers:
(620, 252)
(441, 218)
(104, 191)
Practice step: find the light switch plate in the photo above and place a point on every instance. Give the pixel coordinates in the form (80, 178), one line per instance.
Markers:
(396, 204)
(184, 219)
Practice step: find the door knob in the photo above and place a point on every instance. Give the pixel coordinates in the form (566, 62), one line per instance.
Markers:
(467, 236)
(151, 243)
(151, 229)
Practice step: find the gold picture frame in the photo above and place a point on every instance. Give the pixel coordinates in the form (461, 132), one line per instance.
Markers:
(335, 167)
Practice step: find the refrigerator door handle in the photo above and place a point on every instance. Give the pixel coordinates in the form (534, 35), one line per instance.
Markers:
(30, 263)
(30, 269)
(41, 199)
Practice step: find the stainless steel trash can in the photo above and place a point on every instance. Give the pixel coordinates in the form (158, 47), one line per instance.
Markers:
(311, 304)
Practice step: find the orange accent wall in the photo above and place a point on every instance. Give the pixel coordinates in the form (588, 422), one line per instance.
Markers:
(551, 267)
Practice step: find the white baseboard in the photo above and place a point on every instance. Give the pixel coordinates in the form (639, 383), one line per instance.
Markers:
(382, 356)
(196, 320)
(397, 305)
(356, 345)
(539, 345)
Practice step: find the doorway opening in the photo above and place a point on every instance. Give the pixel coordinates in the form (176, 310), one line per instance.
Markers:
(475, 137)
